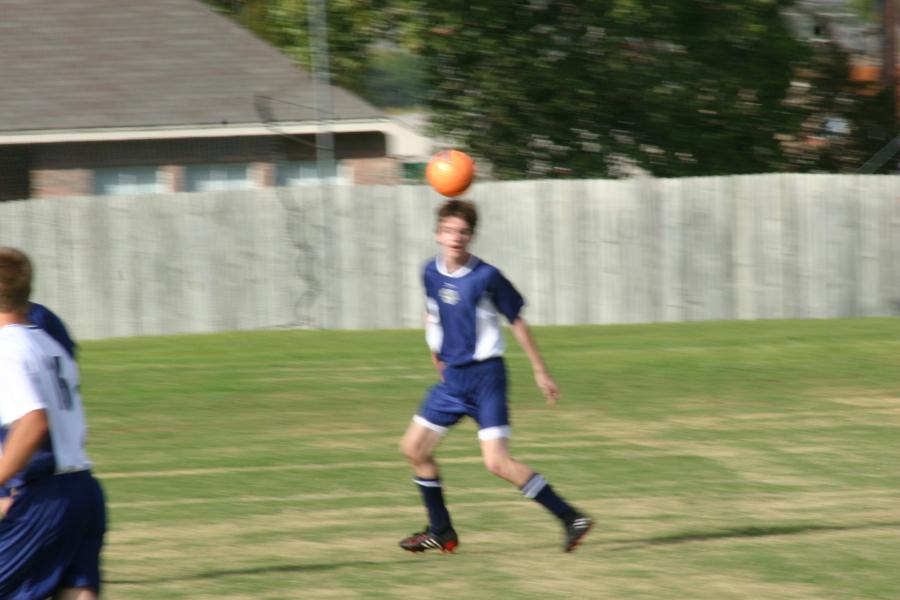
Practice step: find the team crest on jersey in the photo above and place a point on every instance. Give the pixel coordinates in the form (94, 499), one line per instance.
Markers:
(448, 295)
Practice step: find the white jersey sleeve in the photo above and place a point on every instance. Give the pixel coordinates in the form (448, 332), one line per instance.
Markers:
(19, 396)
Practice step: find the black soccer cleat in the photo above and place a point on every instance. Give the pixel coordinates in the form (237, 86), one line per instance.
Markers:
(576, 528)
(426, 540)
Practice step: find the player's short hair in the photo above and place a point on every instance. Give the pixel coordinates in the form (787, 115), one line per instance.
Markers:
(462, 209)
(15, 280)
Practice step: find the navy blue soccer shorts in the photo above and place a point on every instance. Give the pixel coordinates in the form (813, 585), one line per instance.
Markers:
(51, 537)
(478, 390)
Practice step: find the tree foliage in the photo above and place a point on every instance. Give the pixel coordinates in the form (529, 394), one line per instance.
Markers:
(558, 88)
(352, 27)
(562, 88)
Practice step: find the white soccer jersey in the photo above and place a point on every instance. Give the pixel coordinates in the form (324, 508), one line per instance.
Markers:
(37, 373)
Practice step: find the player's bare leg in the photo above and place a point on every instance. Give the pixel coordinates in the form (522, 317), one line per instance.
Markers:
(418, 445)
(499, 462)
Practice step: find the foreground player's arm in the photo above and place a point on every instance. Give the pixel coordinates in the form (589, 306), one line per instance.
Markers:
(436, 361)
(542, 378)
(25, 437)
(430, 320)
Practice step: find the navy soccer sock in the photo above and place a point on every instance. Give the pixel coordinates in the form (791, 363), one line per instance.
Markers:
(540, 491)
(433, 497)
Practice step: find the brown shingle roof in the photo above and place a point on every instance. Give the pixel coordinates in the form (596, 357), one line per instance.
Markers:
(87, 64)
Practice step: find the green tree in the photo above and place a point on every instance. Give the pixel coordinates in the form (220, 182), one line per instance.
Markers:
(394, 78)
(595, 88)
(353, 26)
(557, 88)
(866, 9)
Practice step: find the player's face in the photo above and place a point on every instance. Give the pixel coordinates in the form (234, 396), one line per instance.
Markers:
(453, 235)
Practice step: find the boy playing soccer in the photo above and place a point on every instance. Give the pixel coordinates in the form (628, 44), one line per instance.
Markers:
(44, 318)
(465, 298)
(52, 532)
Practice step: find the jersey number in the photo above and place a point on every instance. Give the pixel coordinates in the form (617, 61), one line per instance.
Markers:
(65, 396)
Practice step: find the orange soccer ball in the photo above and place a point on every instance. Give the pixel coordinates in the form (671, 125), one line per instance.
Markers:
(450, 172)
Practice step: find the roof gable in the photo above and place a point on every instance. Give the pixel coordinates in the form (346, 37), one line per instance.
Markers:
(107, 64)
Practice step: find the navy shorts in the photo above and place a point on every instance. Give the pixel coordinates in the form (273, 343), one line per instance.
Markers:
(51, 537)
(477, 390)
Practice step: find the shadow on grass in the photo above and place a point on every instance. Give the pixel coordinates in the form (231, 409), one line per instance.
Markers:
(262, 570)
(743, 532)
(620, 544)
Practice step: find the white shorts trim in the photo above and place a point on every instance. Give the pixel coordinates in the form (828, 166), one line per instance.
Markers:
(494, 433)
(428, 424)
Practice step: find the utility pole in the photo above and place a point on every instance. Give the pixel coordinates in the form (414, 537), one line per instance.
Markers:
(889, 80)
(325, 164)
(318, 41)
(889, 59)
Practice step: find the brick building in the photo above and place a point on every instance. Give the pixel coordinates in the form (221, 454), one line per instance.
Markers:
(129, 96)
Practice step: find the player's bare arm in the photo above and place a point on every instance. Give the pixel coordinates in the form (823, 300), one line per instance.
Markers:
(436, 361)
(435, 358)
(542, 377)
(25, 436)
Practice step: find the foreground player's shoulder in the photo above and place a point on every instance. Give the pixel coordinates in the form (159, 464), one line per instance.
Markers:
(504, 294)
(493, 275)
(485, 269)
(15, 354)
(430, 266)
(11, 339)
(430, 273)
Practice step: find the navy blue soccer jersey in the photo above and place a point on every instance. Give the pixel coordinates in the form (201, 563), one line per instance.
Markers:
(464, 309)
(47, 320)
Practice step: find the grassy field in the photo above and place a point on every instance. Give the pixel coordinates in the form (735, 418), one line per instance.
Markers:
(750, 460)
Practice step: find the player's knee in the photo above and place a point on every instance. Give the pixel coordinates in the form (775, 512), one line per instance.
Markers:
(413, 452)
(497, 465)
(406, 448)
